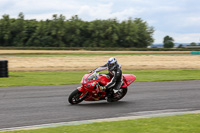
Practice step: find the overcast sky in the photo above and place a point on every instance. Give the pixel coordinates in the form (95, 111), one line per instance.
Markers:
(179, 19)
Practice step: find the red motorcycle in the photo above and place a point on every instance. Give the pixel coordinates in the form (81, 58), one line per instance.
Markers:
(90, 89)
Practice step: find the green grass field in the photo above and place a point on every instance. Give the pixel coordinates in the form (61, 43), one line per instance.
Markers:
(74, 77)
(171, 124)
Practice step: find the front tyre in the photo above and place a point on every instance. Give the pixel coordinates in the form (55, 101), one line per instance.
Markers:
(74, 97)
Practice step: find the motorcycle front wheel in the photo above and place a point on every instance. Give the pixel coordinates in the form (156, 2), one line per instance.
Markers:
(74, 97)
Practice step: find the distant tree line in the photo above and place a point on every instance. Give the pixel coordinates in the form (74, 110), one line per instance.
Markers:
(74, 32)
(194, 44)
(168, 42)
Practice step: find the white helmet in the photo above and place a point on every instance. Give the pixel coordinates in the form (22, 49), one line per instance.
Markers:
(112, 63)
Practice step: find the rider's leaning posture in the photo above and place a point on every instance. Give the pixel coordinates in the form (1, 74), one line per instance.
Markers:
(115, 73)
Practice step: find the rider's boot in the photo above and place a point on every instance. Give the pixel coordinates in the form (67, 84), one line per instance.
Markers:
(109, 94)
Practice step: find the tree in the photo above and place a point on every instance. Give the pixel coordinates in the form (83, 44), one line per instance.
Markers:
(168, 42)
(57, 29)
(30, 28)
(5, 31)
(18, 31)
(145, 33)
(128, 33)
(180, 45)
(193, 44)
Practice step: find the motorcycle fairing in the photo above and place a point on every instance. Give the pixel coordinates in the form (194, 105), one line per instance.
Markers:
(89, 85)
(128, 79)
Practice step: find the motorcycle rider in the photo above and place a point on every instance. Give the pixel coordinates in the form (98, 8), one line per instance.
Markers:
(115, 73)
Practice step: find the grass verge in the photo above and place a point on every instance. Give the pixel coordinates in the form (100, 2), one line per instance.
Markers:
(172, 124)
(74, 77)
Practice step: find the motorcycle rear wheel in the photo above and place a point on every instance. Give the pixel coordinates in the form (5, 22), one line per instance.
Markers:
(123, 93)
(74, 97)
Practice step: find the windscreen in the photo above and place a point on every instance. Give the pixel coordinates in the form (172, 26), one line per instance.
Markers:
(92, 77)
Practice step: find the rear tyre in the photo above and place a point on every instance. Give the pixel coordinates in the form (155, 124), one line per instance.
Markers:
(119, 95)
(74, 97)
(124, 91)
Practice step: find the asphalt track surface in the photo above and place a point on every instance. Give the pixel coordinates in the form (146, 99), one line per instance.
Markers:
(34, 105)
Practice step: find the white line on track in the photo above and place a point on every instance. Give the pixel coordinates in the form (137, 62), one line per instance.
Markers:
(129, 116)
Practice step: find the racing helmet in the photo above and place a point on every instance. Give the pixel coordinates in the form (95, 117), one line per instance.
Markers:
(112, 63)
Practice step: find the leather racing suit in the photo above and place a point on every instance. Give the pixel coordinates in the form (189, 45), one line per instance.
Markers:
(115, 74)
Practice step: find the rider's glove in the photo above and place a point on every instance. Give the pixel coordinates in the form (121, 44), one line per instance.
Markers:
(102, 88)
(89, 71)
